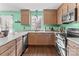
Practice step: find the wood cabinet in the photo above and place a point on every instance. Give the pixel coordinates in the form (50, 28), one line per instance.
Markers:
(64, 8)
(77, 12)
(71, 6)
(8, 49)
(41, 39)
(59, 15)
(9, 52)
(13, 48)
(25, 16)
(19, 46)
(50, 16)
(72, 48)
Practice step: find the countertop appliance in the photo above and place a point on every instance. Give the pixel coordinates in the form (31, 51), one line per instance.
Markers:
(24, 42)
(72, 32)
(70, 16)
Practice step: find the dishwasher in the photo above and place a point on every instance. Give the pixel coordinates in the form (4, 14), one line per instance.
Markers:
(24, 42)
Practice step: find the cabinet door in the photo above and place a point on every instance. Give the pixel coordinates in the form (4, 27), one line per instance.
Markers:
(31, 39)
(59, 15)
(71, 6)
(6, 53)
(64, 8)
(25, 16)
(50, 16)
(71, 51)
(72, 48)
(78, 50)
(10, 51)
(19, 46)
(77, 12)
(41, 39)
(6, 46)
(53, 39)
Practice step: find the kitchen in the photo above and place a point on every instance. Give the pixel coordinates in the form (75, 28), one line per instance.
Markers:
(39, 29)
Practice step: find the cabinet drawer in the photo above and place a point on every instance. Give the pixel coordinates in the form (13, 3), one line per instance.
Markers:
(6, 46)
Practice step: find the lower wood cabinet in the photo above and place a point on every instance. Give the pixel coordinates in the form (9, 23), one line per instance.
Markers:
(19, 46)
(12, 52)
(9, 52)
(8, 49)
(13, 48)
(72, 48)
(41, 39)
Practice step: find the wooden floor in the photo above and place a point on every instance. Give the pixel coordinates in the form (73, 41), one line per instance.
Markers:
(40, 51)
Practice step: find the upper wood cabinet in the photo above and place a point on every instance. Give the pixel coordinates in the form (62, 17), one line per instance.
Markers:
(71, 6)
(78, 12)
(25, 16)
(64, 8)
(59, 15)
(50, 16)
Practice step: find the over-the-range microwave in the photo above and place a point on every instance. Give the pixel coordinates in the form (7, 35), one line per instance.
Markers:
(70, 16)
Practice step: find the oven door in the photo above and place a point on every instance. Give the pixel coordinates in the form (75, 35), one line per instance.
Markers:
(61, 51)
(61, 45)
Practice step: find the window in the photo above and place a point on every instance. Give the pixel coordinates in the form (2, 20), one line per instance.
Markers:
(6, 23)
(36, 18)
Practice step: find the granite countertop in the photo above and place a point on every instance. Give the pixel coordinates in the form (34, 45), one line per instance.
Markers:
(74, 39)
(11, 37)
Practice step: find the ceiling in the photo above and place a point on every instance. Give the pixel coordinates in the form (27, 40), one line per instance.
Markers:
(32, 6)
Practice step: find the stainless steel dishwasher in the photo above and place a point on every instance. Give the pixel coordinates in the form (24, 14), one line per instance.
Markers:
(24, 42)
